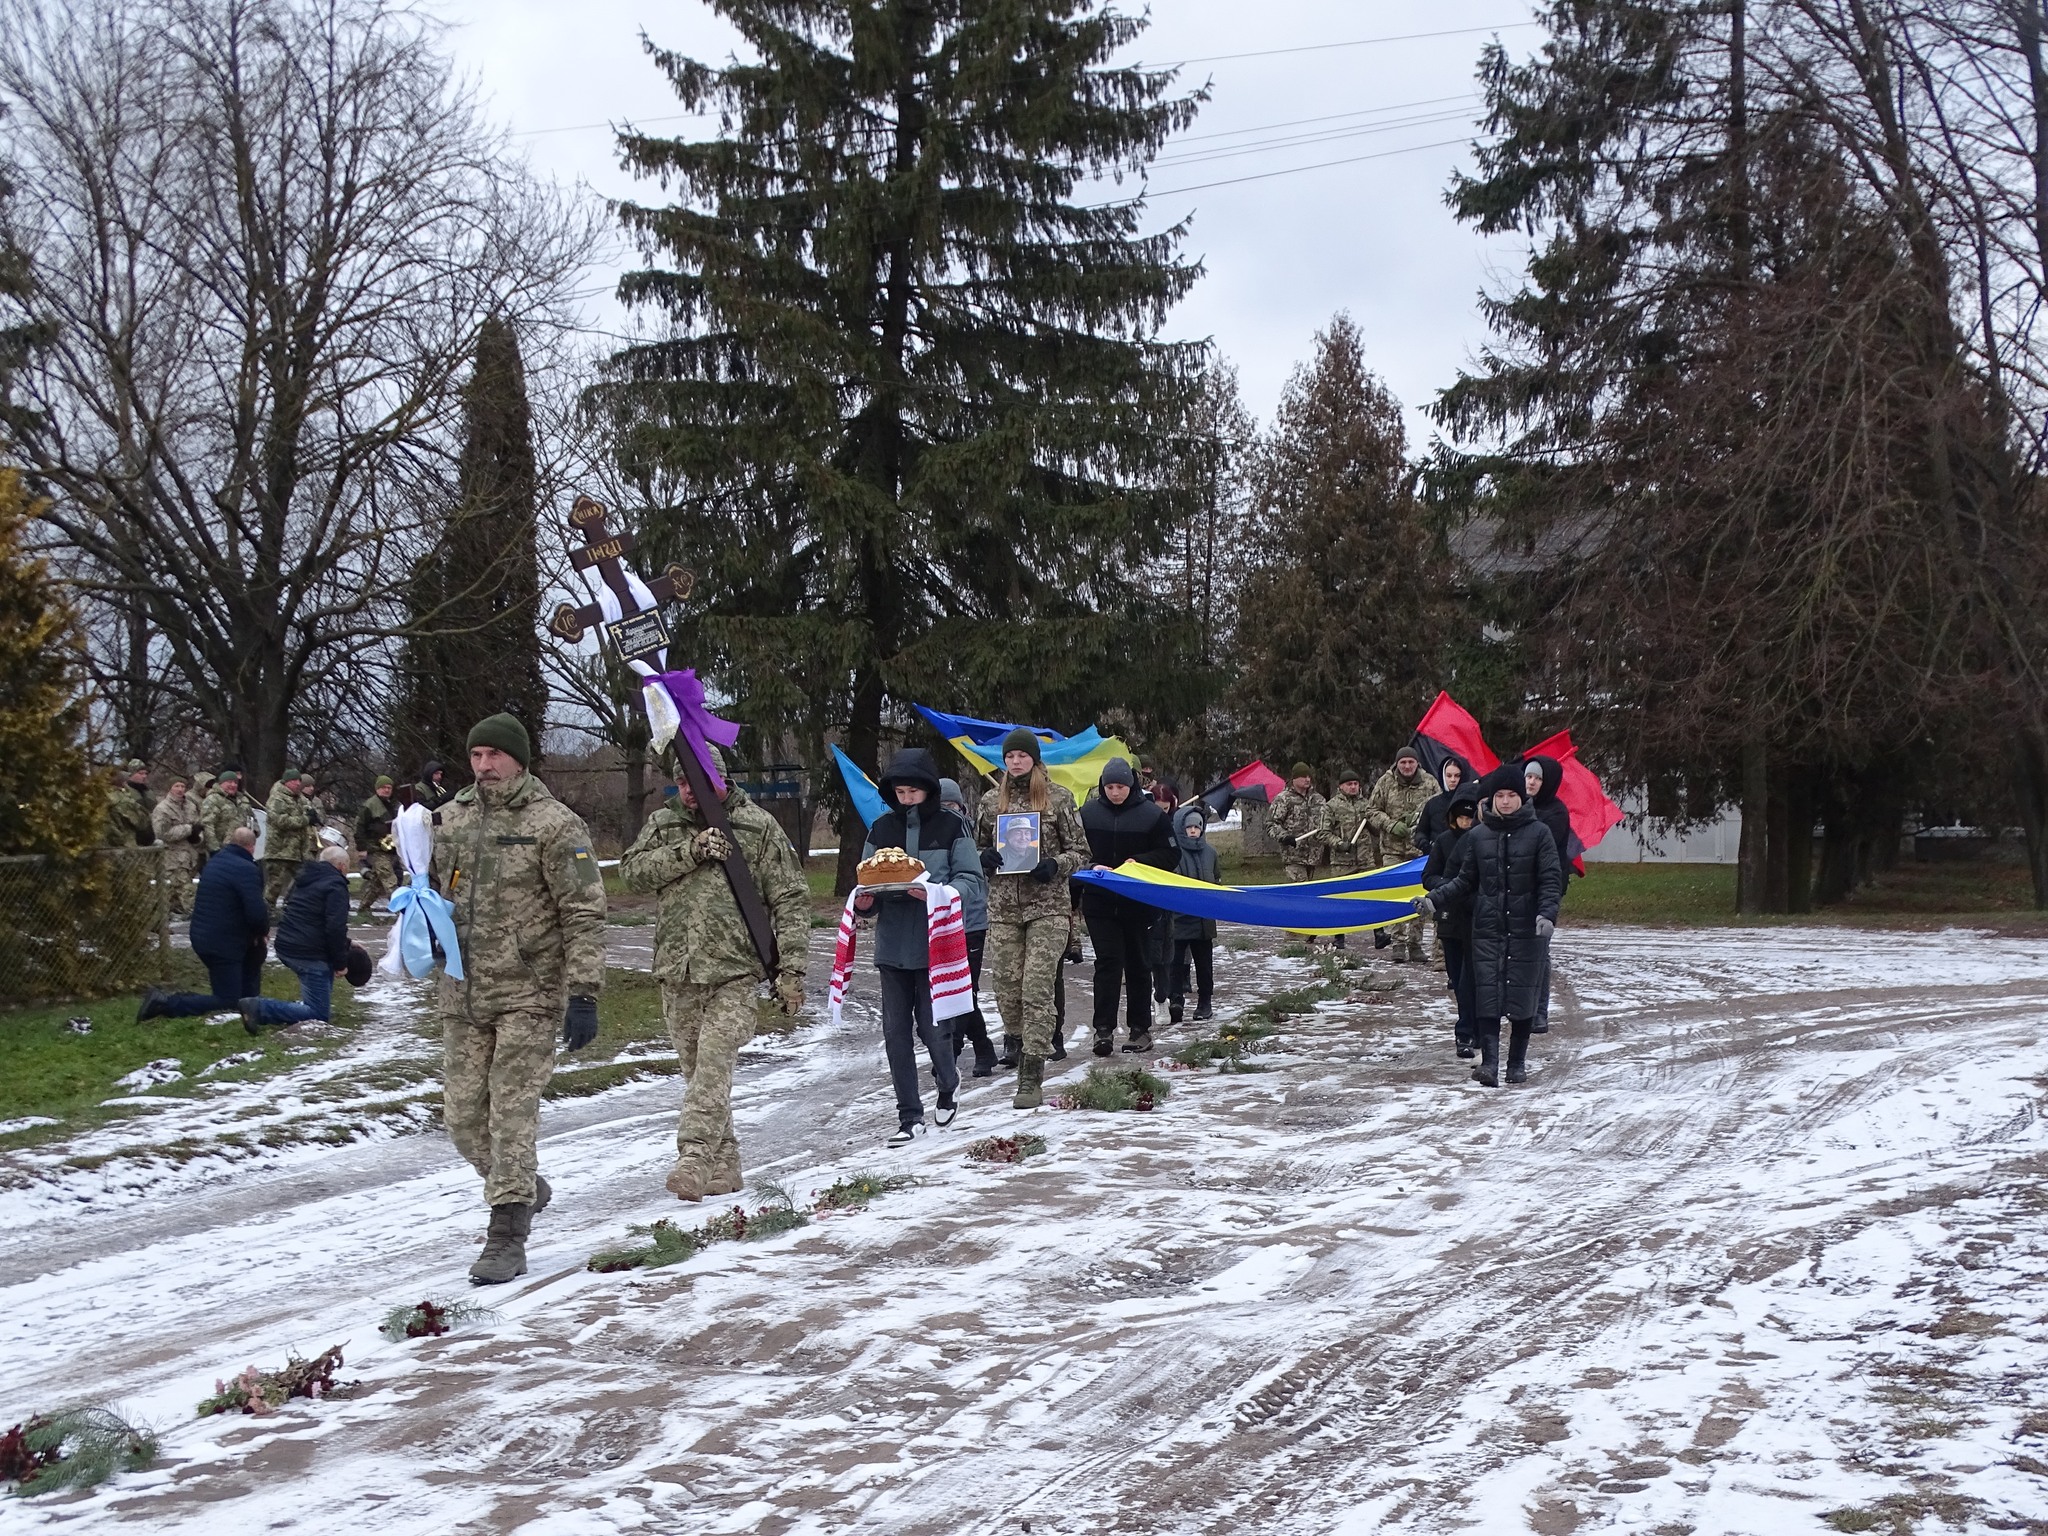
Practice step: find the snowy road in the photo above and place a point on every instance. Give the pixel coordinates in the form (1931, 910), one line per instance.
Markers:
(1762, 1239)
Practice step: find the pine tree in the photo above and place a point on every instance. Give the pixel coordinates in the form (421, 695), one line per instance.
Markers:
(1342, 623)
(910, 422)
(475, 601)
(51, 802)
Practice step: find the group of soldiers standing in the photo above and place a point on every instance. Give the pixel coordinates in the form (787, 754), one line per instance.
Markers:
(198, 814)
(1352, 832)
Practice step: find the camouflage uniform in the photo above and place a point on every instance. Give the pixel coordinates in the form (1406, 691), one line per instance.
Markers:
(710, 973)
(221, 815)
(380, 864)
(176, 824)
(1349, 850)
(1391, 810)
(129, 817)
(288, 840)
(1300, 817)
(529, 912)
(1029, 923)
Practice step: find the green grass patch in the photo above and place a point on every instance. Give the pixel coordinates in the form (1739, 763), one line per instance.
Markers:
(1112, 1089)
(1703, 895)
(48, 1070)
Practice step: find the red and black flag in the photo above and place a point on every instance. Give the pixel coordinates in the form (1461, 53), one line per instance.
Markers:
(1448, 731)
(1593, 813)
(1254, 781)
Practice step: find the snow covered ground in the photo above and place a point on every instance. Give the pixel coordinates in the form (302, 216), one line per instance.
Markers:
(1761, 1241)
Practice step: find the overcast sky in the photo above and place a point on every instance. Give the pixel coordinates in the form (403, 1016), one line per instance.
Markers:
(1283, 252)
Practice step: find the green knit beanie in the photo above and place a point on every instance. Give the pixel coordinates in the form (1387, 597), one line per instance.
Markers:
(383, 781)
(1021, 740)
(288, 775)
(506, 734)
(1302, 771)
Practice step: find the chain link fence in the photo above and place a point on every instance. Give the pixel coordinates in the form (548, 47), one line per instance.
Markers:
(92, 927)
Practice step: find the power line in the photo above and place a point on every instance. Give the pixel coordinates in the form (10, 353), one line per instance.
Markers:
(1303, 140)
(1327, 117)
(1321, 165)
(1356, 42)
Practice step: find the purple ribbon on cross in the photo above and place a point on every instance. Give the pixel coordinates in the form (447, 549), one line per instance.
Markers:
(699, 725)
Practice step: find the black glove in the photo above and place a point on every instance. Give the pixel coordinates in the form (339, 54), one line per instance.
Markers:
(1044, 870)
(991, 861)
(1286, 842)
(579, 1022)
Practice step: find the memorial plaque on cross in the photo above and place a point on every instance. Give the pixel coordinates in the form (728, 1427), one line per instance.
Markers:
(627, 610)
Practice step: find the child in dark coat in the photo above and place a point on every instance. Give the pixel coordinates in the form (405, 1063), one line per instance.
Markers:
(1508, 873)
(1194, 938)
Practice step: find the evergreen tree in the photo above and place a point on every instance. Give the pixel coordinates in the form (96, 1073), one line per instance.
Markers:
(910, 422)
(475, 642)
(51, 802)
(1342, 623)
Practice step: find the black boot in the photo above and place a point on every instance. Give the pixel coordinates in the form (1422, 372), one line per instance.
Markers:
(1202, 1009)
(1338, 942)
(1518, 1051)
(1380, 939)
(984, 1056)
(1487, 1073)
(1059, 1045)
(1013, 1048)
(1173, 1009)
(1105, 1045)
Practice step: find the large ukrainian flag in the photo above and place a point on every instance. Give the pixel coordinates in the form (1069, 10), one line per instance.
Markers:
(1346, 904)
(1074, 762)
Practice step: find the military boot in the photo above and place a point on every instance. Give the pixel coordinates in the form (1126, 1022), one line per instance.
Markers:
(1030, 1083)
(1013, 1048)
(724, 1180)
(504, 1255)
(685, 1182)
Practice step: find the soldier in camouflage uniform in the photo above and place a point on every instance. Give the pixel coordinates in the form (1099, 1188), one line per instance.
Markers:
(1396, 801)
(373, 842)
(176, 824)
(710, 972)
(130, 809)
(1295, 821)
(290, 817)
(224, 810)
(1029, 915)
(529, 913)
(1342, 834)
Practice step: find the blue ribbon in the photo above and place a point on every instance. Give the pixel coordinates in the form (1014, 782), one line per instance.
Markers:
(425, 915)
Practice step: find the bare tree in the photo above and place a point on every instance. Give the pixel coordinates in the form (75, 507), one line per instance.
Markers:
(264, 234)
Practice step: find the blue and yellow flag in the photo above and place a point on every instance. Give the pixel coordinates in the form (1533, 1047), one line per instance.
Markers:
(860, 789)
(1074, 762)
(1346, 904)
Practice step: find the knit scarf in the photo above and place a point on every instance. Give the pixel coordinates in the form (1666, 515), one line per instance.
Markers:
(952, 981)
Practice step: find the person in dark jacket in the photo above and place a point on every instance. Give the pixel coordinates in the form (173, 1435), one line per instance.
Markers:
(1543, 776)
(1122, 824)
(1509, 874)
(1436, 811)
(923, 828)
(971, 1027)
(230, 926)
(1454, 925)
(1194, 938)
(312, 939)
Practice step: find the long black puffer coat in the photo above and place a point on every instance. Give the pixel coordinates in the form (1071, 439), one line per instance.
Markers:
(1508, 872)
(1452, 921)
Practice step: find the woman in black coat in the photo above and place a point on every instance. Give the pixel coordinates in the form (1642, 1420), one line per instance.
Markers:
(1454, 926)
(1435, 815)
(1509, 873)
(1544, 776)
(1123, 824)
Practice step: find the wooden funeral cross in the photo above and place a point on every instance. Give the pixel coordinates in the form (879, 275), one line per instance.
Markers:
(638, 634)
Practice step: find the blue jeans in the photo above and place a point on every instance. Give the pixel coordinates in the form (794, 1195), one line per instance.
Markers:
(231, 980)
(316, 994)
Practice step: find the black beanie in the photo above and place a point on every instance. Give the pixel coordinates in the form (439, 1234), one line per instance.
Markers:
(358, 970)
(1021, 740)
(506, 734)
(1117, 771)
(1506, 776)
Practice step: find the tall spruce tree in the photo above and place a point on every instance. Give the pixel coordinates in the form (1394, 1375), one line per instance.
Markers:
(1341, 623)
(474, 646)
(51, 802)
(910, 421)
